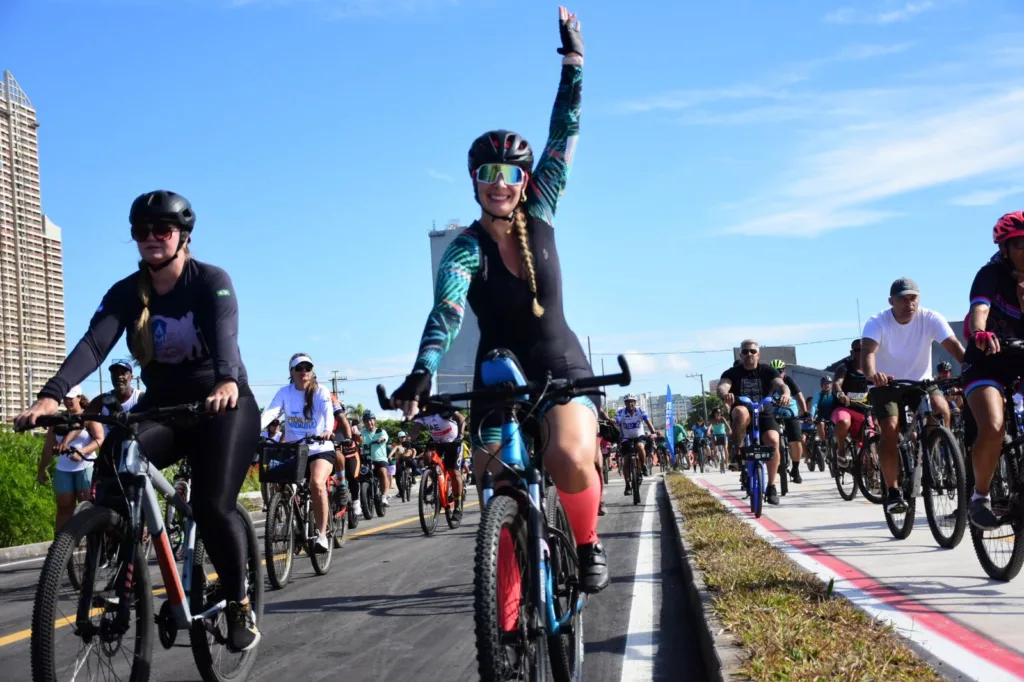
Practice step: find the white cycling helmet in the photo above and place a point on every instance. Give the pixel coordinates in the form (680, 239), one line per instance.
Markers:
(629, 397)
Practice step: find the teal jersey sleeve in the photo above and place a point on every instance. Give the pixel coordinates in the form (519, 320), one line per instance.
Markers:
(552, 171)
(459, 264)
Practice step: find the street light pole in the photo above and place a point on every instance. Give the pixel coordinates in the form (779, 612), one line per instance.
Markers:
(703, 396)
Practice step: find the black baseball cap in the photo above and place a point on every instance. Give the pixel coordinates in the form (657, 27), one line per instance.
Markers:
(904, 286)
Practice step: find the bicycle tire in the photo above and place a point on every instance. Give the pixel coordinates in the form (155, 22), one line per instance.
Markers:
(700, 460)
(757, 491)
(449, 510)
(841, 474)
(997, 490)
(958, 485)
(429, 510)
(491, 640)
(898, 530)
(322, 560)
(636, 483)
(198, 636)
(340, 526)
(45, 605)
(873, 494)
(783, 471)
(366, 498)
(279, 505)
(565, 650)
(604, 469)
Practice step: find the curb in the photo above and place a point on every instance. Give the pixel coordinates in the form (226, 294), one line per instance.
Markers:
(39, 549)
(722, 657)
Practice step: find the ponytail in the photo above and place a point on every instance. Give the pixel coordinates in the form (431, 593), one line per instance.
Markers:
(142, 339)
(519, 224)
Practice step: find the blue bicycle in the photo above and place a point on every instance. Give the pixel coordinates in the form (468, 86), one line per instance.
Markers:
(528, 605)
(756, 455)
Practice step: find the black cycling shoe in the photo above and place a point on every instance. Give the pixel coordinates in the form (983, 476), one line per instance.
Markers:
(593, 567)
(981, 514)
(794, 473)
(773, 495)
(627, 491)
(601, 509)
(242, 631)
(894, 503)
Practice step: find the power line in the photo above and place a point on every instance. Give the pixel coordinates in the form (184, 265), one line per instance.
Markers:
(719, 350)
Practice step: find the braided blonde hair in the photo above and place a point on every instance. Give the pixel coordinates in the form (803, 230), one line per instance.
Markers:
(143, 337)
(520, 220)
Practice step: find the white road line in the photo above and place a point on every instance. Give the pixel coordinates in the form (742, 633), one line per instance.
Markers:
(638, 659)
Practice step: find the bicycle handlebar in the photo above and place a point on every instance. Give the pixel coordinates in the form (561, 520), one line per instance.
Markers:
(120, 418)
(551, 388)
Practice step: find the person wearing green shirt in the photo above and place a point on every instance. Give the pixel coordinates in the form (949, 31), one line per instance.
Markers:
(375, 446)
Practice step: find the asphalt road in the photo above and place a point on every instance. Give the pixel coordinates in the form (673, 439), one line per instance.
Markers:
(397, 605)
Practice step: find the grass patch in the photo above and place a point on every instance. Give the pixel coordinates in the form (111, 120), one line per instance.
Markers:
(786, 620)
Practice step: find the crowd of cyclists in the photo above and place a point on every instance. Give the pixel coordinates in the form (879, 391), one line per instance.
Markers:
(181, 320)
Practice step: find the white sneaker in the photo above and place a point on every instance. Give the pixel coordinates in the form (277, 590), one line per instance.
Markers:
(321, 544)
(357, 508)
(384, 501)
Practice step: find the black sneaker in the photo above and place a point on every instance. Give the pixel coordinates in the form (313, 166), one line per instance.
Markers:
(894, 503)
(773, 495)
(981, 514)
(593, 567)
(628, 491)
(243, 634)
(601, 509)
(794, 473)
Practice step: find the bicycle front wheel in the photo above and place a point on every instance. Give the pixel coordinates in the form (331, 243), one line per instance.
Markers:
(902, 524)
(430, 502)
(215, 662)
(99, 651)
(279, 540)
(868, 471)
(944, 488)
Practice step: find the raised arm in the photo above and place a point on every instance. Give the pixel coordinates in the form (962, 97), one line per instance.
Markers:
(552, 171)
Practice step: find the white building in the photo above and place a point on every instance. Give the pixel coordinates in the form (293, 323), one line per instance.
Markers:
(455, 373)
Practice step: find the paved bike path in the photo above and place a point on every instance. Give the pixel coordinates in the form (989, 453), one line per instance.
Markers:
(925, 588)
(397, 605)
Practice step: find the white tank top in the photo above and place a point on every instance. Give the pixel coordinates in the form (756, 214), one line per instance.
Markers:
(441, 430)
(126, 406)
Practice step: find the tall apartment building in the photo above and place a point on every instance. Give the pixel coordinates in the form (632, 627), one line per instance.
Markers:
(32, 341)
(455, 373)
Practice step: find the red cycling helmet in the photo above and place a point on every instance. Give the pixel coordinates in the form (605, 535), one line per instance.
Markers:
(1009, 226)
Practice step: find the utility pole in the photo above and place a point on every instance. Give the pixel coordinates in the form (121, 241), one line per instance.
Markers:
(334, 382)
(101, 381)
(703, 396)
(589, 353)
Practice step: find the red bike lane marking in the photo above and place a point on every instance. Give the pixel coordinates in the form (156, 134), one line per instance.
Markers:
(935, 621)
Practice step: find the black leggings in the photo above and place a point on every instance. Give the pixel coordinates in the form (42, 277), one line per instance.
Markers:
(219, 450)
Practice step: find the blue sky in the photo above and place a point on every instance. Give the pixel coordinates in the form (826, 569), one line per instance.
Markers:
(744, 168)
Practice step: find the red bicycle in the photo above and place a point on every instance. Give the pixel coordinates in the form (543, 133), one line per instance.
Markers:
(435, 494)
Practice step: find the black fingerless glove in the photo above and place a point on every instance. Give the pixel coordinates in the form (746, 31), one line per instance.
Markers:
(572, 39)
(415, 387)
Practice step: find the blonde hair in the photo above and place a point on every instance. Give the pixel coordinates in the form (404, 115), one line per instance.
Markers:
(143, 337)
(520, 220)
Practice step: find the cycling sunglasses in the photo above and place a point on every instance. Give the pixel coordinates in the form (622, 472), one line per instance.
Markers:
(489, 172)
(162, 231)
(750, 351)
(303, 367)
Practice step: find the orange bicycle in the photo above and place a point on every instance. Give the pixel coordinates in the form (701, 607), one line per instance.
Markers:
(436, 493)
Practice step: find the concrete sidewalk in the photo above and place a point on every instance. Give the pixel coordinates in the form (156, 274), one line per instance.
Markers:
(921, 585)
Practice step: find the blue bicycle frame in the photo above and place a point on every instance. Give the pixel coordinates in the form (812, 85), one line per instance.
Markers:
(514, 453)
(755, 454)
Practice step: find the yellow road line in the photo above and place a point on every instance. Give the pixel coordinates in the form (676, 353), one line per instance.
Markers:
(62, 622)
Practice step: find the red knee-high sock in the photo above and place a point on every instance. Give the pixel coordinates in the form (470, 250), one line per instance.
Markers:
(581, 508)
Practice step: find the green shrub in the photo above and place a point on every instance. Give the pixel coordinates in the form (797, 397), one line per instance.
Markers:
(27, 509)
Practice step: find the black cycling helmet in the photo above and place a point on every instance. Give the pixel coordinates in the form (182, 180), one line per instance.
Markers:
(944, 366)
(826, 379)
(501, 146)
(368, 415)
(162, 206)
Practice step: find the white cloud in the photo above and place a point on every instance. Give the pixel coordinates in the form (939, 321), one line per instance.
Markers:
(987, 197)
(849, 15)
(438, 175)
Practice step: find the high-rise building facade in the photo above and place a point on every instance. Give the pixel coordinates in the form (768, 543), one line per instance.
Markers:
(455, 373)
(32, 340)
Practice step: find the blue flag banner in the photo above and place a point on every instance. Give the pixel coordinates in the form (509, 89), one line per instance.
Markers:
(670, 424)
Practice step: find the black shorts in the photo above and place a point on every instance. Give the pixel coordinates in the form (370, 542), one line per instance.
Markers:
(793, 429)
(451, 453)
(719, 439)
(765, 423)
(381, 465)
(1001, 370)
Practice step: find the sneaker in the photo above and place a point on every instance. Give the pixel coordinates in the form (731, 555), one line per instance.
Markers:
(384, 501)
(794, 474)
(593, 567)
(243, 634)
(628, 491)
(601, 509)
(321, 545)
(843, 460)
(894, 503)
(981, 514)
(357, 508)
(773, 495)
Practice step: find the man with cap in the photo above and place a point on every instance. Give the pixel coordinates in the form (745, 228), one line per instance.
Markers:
(897, 343)
(121, 376)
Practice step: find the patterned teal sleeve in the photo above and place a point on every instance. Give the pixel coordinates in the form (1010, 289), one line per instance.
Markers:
(552, 171)
(459, 264)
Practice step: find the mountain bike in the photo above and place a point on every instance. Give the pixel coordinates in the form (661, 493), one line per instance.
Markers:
(436, 494)
(404, 481)
(527, 601)
(291, 525)
(930, 466)
(102, 613)
(700, 456)
(634, 477)
(755, 456)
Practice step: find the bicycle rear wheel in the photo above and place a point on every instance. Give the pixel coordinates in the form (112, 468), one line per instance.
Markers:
(279, 540)
(322, 560)
(868, 471)
(430, 502)
(101, 530)
(340, 528)
(944, 488)
(846, 482)
(215, 662)
(504, 616)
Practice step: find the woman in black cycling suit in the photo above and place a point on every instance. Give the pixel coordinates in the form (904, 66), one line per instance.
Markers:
(182, 317)
(506, 266)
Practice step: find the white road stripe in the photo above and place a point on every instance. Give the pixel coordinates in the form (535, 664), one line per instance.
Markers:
(641, 647)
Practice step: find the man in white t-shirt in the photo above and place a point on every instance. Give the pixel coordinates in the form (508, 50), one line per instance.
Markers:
(897, 343)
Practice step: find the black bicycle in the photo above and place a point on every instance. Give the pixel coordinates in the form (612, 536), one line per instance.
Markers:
(930, 466)
(700, 454)
(111, 618)
(528, 605)
(634, 476)
(405, 480)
